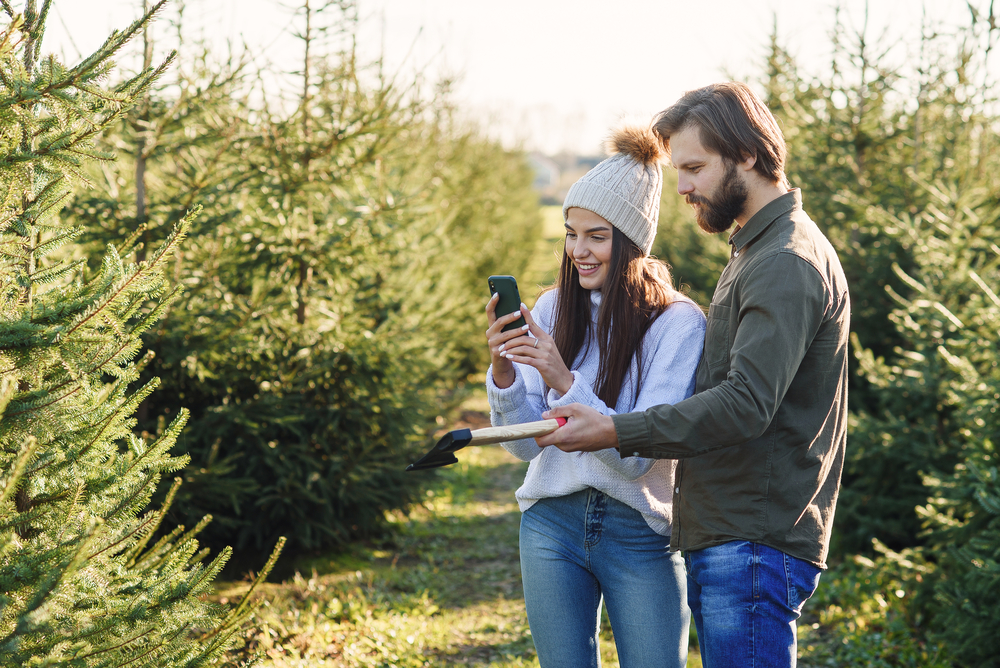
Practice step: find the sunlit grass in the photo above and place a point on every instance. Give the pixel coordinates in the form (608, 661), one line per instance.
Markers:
(444, 591)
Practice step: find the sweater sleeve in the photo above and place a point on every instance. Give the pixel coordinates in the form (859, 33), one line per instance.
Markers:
(524, 400)
(671, 352)
(521, 402)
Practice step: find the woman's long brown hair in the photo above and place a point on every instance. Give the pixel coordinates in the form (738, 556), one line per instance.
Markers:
(635, 293)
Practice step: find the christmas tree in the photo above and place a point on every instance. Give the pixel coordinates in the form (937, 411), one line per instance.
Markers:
(82, 582)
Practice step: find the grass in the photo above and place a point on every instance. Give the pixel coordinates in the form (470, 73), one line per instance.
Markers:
(443, 590)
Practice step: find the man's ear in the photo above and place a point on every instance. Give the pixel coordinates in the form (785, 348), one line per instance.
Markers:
(747, 163)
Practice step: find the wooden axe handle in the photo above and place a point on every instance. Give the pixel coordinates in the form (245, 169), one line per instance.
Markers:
(514, 432)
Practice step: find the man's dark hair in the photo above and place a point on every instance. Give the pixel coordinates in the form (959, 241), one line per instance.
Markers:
(733, 122)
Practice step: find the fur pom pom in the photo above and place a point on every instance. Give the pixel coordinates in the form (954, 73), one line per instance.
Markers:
(636, 141)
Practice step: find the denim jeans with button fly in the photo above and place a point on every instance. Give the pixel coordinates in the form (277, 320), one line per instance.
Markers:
(584, 547)
(745, 598)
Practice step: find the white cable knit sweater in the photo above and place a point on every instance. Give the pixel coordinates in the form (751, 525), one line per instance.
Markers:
(671, 351)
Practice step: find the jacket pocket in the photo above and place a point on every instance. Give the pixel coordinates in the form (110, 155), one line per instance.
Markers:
(717, 336)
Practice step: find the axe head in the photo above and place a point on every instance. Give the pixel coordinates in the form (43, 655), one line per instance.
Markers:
(441, 453)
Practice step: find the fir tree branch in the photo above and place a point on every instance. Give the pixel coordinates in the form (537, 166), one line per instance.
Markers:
(239, 610)
(134, 551)
(49, 498)
(142, 270)
(144, 560)
(197, 529)
(18, 521)
(52, 274)
(150, 521)
(28, 451)
(208, 574)
(165, 441)
(35, 407)
(124, 644)
(40, 23)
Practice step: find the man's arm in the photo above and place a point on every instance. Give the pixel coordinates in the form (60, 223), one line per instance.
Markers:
(782, 306)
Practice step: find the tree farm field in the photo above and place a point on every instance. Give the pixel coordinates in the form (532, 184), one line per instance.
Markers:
(444, 588)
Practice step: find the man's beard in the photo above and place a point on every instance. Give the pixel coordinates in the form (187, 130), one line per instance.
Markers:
(719, 213)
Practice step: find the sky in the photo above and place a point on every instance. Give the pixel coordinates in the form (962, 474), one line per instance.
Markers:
(547, 75)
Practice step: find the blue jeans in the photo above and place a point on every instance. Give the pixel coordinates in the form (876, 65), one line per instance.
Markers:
(582, 547)
(745, 598)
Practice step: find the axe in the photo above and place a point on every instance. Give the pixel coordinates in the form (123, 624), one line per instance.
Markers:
(442, 453)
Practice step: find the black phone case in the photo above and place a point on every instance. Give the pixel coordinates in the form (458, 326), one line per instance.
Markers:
(510, 299)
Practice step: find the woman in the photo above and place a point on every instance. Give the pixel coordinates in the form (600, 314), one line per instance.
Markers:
(616, 336)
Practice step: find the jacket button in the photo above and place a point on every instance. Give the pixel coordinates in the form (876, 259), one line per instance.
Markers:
(635, 454)
(677, 490)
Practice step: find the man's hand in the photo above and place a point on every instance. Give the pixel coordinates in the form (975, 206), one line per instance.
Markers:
(586, 430)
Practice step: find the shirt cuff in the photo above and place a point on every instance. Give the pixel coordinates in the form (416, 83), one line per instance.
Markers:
(506, 399)
(574, 395)
(633, 437)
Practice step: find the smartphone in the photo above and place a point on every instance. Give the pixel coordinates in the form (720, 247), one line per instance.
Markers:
(510, 300)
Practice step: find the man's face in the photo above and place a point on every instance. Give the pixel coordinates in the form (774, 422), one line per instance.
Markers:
(712, 185)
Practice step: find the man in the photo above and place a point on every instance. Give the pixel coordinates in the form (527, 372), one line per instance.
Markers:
(761, 443)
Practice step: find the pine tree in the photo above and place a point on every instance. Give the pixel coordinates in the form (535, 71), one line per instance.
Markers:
(938, 407)
(80, 582)
(866, 137)
(334, 284)
(925, 224)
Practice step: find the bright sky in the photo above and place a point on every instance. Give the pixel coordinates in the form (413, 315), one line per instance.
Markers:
(545, 74)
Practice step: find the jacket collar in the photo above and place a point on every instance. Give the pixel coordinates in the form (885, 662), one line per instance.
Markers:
(761, 220)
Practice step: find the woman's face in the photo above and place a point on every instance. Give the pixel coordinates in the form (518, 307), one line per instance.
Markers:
(588, 245)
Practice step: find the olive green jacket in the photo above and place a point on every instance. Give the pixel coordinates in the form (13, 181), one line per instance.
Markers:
(762, 440)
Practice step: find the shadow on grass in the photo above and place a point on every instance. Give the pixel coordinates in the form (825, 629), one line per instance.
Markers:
(443, 589)
(483, 655)
(459, 546)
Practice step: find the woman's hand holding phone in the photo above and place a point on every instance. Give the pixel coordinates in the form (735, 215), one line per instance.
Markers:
(503, 368)
(516, 346)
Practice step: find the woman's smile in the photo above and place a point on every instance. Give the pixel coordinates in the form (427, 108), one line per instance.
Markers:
(588, 243)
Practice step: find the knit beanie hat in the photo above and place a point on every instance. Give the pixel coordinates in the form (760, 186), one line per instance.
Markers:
(625, 188)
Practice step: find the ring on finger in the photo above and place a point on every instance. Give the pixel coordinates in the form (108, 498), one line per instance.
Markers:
(536, 344)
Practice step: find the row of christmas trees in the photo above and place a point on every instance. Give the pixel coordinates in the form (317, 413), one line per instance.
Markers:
(290, 264)
(81, 581)
(332, 294)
